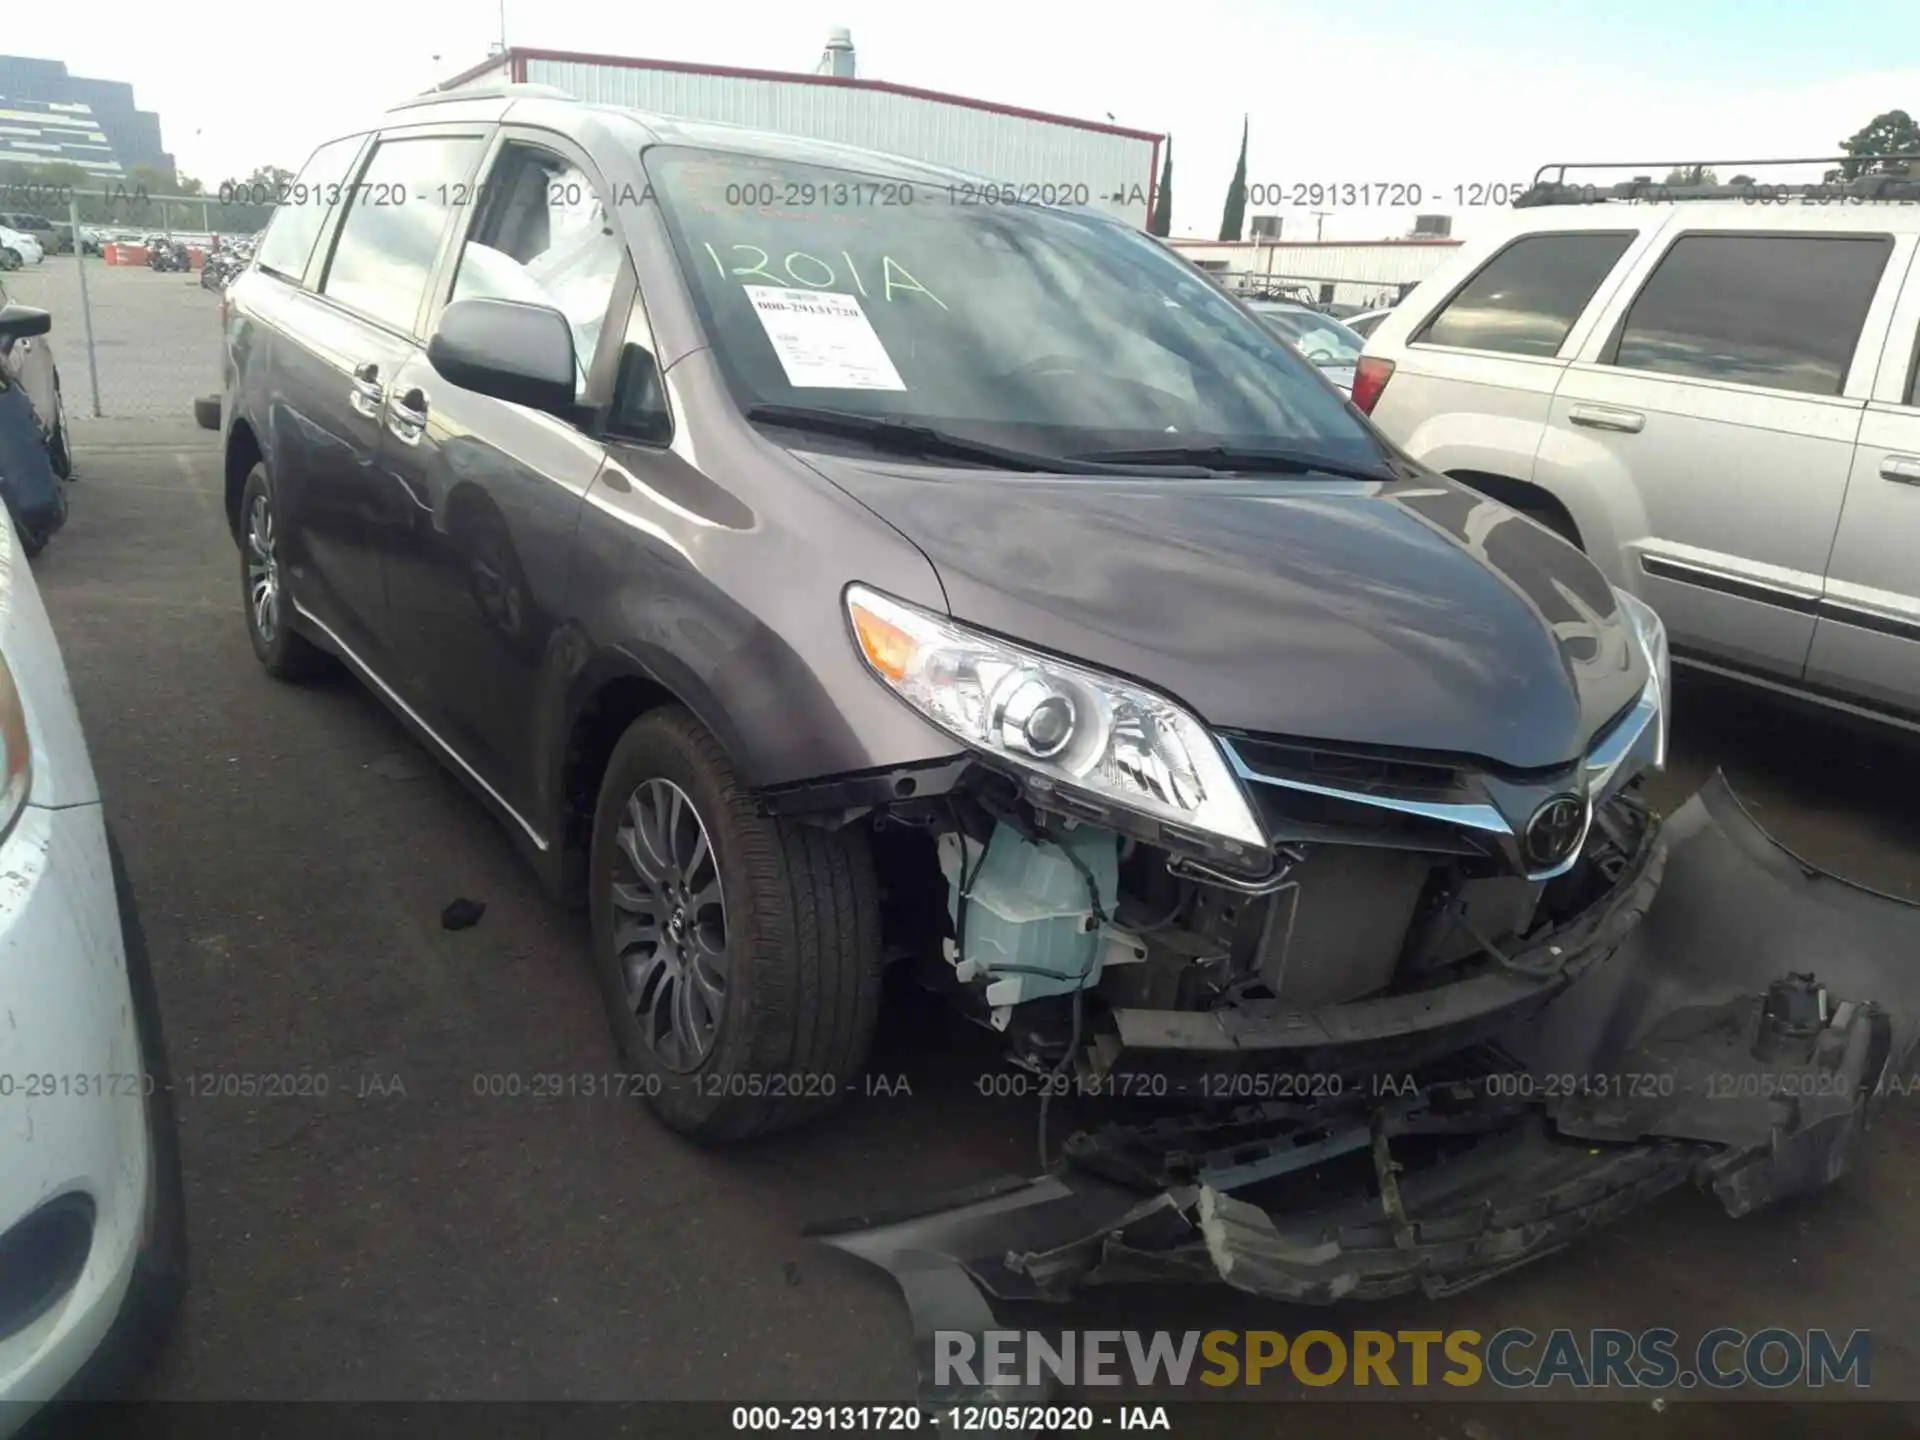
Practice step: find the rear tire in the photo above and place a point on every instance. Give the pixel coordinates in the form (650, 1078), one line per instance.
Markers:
(282, 652)
(799, 935)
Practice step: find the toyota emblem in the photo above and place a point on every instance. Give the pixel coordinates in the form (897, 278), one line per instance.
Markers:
(1555, 831)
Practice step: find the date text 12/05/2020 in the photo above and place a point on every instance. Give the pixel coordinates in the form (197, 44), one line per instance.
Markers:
(747, 195)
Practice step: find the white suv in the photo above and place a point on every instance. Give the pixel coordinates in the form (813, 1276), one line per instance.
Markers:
(1715, 398)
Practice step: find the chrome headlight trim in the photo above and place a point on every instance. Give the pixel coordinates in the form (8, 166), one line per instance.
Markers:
(1639, 741)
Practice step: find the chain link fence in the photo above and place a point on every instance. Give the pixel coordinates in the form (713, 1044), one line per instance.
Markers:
(131, 342)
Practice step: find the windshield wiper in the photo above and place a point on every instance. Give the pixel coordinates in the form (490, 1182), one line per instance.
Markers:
(911, 438)
(1227, 457)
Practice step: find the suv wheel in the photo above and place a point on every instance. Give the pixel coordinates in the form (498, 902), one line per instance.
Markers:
(284, 654)
(739, 956)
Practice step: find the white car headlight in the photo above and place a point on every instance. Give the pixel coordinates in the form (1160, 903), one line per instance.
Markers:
(1073, 726)
(1652, 632)
(16, 754)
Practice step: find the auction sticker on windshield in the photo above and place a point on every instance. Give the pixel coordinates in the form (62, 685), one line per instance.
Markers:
(824, 339)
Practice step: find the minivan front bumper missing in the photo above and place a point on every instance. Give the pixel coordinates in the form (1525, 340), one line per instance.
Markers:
(1737, 1038)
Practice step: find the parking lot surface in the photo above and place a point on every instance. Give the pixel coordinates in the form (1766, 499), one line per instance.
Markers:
(395, 1224)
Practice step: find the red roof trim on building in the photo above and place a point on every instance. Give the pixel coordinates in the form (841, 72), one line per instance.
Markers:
(518, 58)
(473, 72)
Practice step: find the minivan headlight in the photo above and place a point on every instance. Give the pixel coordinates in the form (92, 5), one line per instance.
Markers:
(1652, 633)
(1074, 726)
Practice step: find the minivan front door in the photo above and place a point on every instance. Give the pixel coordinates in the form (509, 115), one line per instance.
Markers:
(477, 579)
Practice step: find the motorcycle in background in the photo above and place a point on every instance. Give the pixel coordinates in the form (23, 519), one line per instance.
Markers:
(167, 255)
(225, 261)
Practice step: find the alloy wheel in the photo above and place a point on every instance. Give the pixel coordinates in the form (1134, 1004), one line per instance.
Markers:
(263, 570)
(670, 924)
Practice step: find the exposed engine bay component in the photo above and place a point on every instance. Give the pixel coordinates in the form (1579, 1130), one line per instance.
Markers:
(1736, 1037)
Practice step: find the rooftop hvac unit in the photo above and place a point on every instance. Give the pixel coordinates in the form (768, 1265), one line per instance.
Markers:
(1266, 227)
(837, 58)
(1438, 227)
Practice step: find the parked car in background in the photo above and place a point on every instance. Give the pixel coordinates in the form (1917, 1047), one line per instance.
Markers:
(28, 361)
(1715, 398)
(52, 238)
(92, 1232)
(1367, 321)
(1327, 342)
(18, 248)
(35, 496)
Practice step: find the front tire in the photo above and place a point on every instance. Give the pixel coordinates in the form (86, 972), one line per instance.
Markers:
(739, 956)
(282, 653)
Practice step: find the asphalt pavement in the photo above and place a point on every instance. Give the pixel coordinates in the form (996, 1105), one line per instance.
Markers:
(395, 1222)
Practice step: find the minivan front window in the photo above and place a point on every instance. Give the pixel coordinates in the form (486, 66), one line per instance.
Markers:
(1051, 331)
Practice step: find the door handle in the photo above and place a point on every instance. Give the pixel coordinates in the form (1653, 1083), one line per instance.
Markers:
(407, 416)
(1604, 417)
(1903, 468)
(367, 392)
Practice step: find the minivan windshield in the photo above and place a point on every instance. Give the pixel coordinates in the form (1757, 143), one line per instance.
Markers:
(1057, 332)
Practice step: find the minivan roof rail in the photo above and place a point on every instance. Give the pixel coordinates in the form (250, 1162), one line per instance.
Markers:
(503, 91)
(1644, 189)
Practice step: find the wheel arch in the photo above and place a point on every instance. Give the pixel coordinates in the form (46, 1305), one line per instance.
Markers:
(602, 700)
(243, 453)
(1535, 501)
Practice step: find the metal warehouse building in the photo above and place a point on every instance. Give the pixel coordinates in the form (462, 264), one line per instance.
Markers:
(1346, 272)
(1110, 168)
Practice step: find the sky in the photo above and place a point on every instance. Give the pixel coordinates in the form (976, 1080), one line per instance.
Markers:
(1393, 91)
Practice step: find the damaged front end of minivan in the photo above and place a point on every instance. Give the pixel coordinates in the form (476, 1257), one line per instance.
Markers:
(1400, 1022)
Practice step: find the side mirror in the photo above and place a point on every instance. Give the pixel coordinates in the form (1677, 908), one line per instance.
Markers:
(18, 322)
(507, 349)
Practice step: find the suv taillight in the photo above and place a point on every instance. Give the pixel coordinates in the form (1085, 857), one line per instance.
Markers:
(1370, 378)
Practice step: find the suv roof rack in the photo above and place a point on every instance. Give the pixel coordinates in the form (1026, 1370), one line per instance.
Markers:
(504, 91)
(1643, 189)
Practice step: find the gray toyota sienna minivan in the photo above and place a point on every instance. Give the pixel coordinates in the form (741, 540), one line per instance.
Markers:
(822, 564)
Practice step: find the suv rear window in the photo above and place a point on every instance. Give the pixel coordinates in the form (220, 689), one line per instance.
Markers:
(1782, 311)
(299, 214)
(1525, 299)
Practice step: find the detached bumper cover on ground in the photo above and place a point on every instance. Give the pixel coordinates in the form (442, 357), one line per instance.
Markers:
(1737, 1040)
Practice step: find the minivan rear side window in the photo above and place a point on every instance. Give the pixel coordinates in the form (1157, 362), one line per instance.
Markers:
(299, 214)
(391, 235)
(1781, 311)
(1526, 298)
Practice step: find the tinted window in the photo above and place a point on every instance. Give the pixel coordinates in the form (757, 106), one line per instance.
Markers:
(299, 214)
(544, 238)
(1771, 310)
(391, 236)
(1052, 330)
(1525, 299)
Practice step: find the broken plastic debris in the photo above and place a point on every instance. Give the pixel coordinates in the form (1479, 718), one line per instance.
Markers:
(462, 914)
